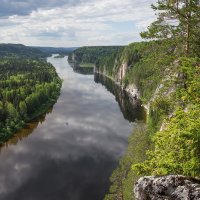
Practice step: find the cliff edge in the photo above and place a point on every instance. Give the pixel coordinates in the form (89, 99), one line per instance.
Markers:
(171, 187)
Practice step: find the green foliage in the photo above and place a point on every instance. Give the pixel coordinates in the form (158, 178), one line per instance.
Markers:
(170, 84)
(188, 81)
(177, 147)
(123, 177)
(110, 64)
(147, 73)
(26, 88)
(19, 50)
(147, 62)
(92, 54)
(62, 51)
(179, 21)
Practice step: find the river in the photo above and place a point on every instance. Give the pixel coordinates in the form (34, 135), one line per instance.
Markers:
(70, 152)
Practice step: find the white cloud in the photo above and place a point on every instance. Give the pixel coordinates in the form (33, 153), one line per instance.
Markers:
(98, 22)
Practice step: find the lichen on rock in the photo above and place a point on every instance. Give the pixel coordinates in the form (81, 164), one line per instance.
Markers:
(171, 187)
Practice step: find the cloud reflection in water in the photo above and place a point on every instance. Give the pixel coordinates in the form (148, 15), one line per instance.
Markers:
(71, 152)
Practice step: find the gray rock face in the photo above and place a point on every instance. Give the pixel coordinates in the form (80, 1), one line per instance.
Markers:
(172, 187)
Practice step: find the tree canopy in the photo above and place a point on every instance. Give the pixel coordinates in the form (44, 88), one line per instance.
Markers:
(179, 21)
(27, 87)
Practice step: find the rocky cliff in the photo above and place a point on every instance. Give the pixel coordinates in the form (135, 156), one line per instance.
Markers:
(172, 187)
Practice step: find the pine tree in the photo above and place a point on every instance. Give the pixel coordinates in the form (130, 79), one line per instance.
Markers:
(178, 22)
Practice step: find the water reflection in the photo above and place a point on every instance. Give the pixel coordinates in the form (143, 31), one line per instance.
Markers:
(68, 153)
(26, 131)
(82, 70)
(130, 109)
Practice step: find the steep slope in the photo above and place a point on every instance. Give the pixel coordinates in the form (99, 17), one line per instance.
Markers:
(168, 86)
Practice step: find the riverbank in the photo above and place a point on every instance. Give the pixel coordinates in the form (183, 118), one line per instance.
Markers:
(44, 108)
(21, 124)
(131, 90)
(166, 86)
(86, 129)
(123, 177)
(131, 109)
(82, 69)
(25, 97)
(170, 115)
(87, 65)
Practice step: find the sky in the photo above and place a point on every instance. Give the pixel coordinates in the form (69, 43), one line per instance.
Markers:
(74, 23)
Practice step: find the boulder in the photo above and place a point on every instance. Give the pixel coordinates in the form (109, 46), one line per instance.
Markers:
(171, 187)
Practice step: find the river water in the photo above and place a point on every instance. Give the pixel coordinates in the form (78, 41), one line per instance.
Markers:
(70, 152)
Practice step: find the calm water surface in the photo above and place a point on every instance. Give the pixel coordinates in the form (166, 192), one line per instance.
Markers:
(69, 153)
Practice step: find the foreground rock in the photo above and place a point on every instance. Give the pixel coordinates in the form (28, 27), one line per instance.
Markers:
(172, 187)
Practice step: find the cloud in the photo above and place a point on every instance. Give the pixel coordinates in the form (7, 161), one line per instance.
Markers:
(24, 7)
(75, 23)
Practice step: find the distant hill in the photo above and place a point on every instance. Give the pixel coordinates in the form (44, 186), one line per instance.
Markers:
(59, 50)
(91, 54)
(19, 50)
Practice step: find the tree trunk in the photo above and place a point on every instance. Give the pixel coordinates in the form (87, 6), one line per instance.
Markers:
(187, 39)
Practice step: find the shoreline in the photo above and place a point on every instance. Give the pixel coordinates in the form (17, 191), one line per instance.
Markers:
(41, 111)
(131, 90)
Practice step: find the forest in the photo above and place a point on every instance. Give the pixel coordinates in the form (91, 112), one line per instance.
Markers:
(92, 54)
(28, 87)
(33, 52)
(166, 69)
(20, 50)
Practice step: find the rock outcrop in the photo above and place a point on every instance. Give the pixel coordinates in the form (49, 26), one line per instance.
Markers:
(133, 91)
(134, 95)
(122, 71)
(172, 187)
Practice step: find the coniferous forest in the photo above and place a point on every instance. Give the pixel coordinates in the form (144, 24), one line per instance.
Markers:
(27, 89)
(90, 150)
(167, 73)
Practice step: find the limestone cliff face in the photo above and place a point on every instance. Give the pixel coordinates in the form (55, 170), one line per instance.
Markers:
(172, 187)
(133, 91)
(118, 72)
(122, 72)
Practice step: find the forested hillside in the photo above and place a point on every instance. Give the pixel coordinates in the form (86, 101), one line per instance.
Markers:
(92, 54)
(145, 64)
(56, 50)
(19, 50)
(27, 89)
(166, 72)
